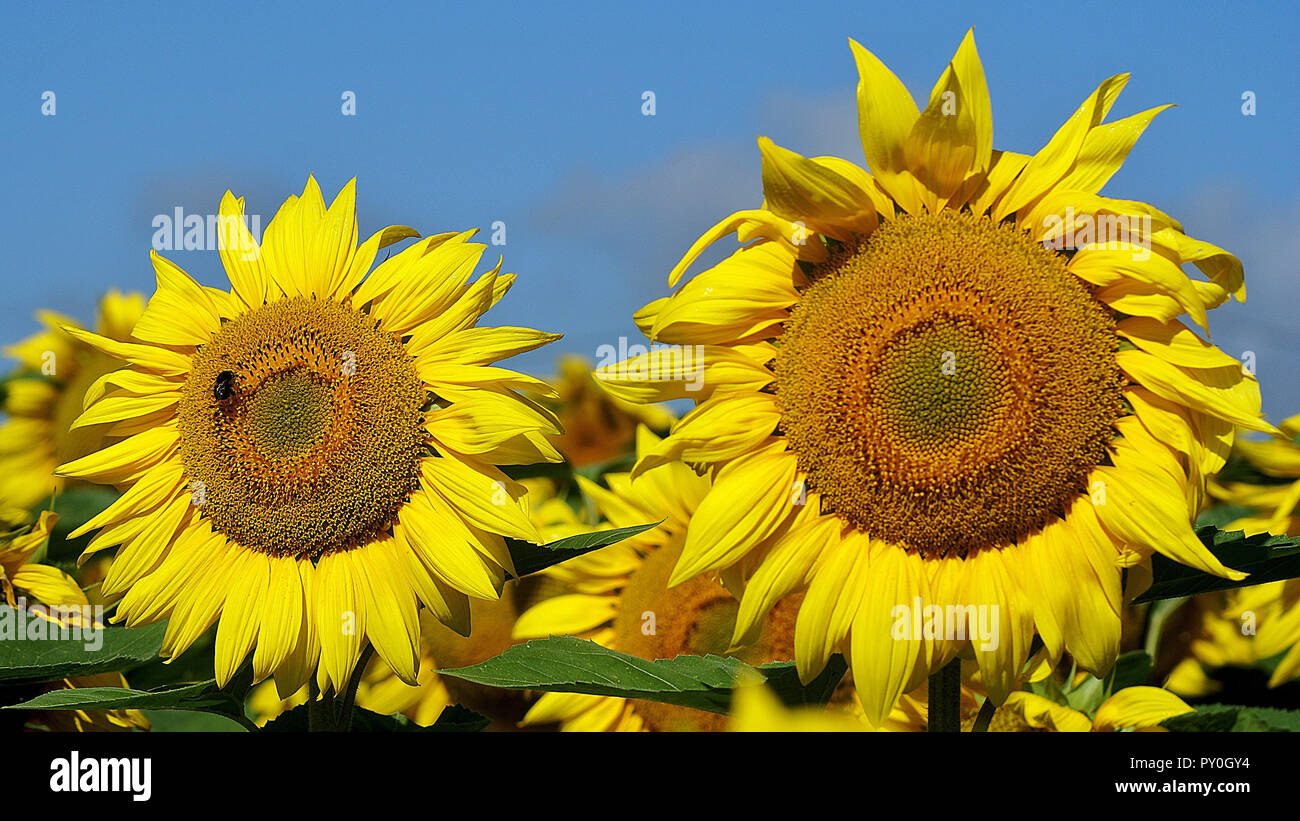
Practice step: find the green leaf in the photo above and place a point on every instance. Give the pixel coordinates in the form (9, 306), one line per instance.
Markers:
(783, 678)
(1131, 670)
(1087, 696)
(75, 507)
(1265, 557)
(120, 648)
(203, 695)
(191, 721)
(458, 719)
(454, 719)
(1221, 515)
(1228, 718)
(363, 721)
(564, 664)
(530, 558)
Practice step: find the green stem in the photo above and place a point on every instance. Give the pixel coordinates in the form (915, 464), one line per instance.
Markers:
(945, 699)
(320, 710)
(350, 697)
(985, 718)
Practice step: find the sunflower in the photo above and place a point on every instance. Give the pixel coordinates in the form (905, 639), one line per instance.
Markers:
(1270, 613)
(1132, 708)
(957, 381)
(42, 396)
(311, 456)
(1203, 635)
(619, 598)
(25, 584)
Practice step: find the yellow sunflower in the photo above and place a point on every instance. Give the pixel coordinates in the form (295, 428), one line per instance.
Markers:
(1269, 613)
(1275, 506)
(42, 396)
(619, 597)
(1132, 708)
(1204, 634)
(311, 455)
(25, 584)
(958, 381)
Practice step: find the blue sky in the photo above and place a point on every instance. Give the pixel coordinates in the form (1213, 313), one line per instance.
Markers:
(530, 113)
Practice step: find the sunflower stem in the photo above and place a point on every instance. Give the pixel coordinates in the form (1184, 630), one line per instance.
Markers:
(985, 718)
(350, 696)
(945, 699)
(320, 710)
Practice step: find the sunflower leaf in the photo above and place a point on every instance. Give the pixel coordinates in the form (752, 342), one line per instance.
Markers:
(48, 658)
(457, 719)
(565, 664)
(530, 558)
(1265, 557)
(1230, 718)
(453, 719)
(203, 695)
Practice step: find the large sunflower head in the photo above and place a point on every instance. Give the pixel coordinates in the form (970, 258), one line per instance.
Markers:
(958, 380)
(311, 456)
(43, 395)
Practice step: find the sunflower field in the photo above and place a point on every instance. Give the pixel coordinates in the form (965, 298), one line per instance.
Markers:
(931, 437)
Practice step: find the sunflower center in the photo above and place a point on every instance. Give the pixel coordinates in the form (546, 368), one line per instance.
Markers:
(290, 415)
(694, 618)
(301, 429)
(948, 384)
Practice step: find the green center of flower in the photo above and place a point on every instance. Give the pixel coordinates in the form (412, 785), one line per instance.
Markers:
(290, 414)
(941, 380)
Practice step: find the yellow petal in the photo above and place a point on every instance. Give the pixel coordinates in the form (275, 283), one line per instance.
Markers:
(1104, 149)
(886, 114)
(831, 603)
(786, 568)
(180, 312)
(721, 428)
(884, 665)
(1144, 507)
(1173, 342)
(803, 190)
(1055, 159)
(442, 545)
(240, 254)
(392, 623)
(1138, 707)
(1227, 393)
(940, 148)
(281, 616)
(565, 615)
(240, 616)
(752, 496)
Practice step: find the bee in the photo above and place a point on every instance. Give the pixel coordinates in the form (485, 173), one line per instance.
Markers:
(224, 387)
